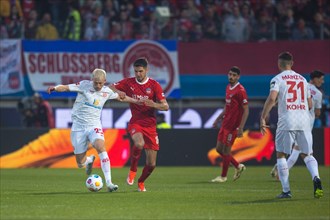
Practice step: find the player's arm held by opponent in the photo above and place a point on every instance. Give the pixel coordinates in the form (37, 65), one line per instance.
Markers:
(58, 88)
(121, 94)
(269, 104)
(162, 105)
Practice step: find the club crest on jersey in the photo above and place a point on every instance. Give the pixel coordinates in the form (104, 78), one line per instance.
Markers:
(148, 90)
(104, 94)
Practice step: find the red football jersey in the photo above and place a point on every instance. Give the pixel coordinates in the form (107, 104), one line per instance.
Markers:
(151, 89)
(236, 97)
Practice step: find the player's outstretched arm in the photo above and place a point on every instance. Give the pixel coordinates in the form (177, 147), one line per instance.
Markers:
(120, 93)
(129, 99)
(161, 105)
(58, 88)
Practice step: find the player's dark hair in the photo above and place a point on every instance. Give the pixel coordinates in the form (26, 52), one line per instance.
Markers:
(235, 69)
(316, 74)
(141, 62)
(285, 56)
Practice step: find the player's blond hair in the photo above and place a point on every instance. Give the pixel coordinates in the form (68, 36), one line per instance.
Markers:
(99, 74)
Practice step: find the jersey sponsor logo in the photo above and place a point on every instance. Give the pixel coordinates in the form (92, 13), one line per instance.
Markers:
(139, 97)
(160, 64)
(91, 105)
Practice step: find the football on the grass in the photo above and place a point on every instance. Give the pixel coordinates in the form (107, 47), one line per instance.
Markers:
(94, 183)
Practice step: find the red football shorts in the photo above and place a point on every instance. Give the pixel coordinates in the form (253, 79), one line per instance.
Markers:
(227, 137)
(150, 135)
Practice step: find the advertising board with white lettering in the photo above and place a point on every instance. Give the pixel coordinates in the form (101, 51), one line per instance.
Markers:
(64, 62)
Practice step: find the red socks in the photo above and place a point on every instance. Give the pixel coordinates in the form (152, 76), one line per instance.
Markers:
(147, 170)
(136, 154)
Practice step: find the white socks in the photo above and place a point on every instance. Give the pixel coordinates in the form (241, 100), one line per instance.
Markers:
(105, 165)
(312, 166)
(293, 158)
(283, 174)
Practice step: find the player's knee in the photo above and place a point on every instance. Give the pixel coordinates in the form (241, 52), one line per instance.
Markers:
(139, 144)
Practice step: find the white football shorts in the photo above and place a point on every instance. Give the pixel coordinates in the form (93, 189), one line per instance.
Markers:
(285, 139)
(80, 139)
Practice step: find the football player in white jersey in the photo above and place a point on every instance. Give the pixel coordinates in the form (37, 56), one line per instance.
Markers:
(316, 81)
(86, 117)
(294, 102)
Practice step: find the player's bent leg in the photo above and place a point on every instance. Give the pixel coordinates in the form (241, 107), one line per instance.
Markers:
(89, 164)
(239, 171)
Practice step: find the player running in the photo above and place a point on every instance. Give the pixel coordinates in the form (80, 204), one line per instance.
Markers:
(86, 118)
(142, 125)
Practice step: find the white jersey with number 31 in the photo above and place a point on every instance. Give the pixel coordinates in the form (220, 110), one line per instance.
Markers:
(293, 91)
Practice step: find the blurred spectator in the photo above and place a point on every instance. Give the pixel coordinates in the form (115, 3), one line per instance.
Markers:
(6, 8)
(15, 25)
(28, 6)
(185, 26)
(161, 123)
(44, 113)
(234, 27)
(3, 29)
(115, 33)
(192, 11)
(285, 25)
(31, 25)
(262, 30)
(320, 28)
(211, 23)
(72, 24)
(102, 21)
(93, 32)
(27, 107)
(46, 30)
(56, 11)
(126, 26)
(248, 15)
(302, 32)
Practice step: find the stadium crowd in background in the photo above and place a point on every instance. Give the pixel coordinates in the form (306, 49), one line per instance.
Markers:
(189, 20)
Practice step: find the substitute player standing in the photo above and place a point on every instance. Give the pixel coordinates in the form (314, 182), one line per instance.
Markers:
(86, 118)
(142, 125)
(294, 102)
(233, 116)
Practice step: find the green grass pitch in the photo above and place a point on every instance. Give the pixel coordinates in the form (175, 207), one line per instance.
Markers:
(172, 193)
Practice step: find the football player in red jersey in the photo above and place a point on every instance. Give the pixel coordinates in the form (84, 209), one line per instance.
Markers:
(233, 117)
(142, 125)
